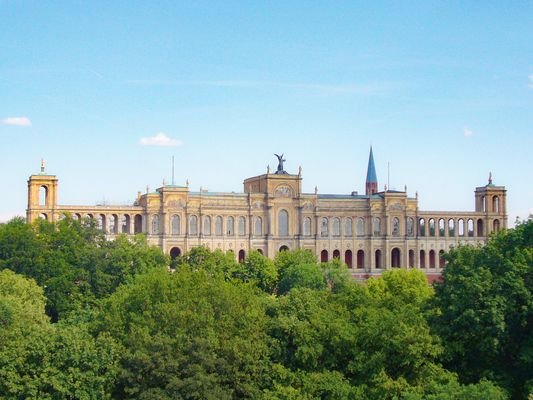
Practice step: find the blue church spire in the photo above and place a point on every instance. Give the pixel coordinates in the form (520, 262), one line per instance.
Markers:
(371, 177)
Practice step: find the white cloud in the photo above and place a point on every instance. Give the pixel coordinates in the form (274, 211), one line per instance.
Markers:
(160, 139)
(17, 121)
(531, 81)
(468, 132)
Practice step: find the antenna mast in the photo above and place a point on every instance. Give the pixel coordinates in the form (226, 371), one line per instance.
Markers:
(388, 174)
(172, 170)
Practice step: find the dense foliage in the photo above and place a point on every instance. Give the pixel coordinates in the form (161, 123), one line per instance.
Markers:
(82, 317)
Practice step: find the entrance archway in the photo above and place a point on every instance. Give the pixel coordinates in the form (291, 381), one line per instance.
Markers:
(348, 258)
(175, 252)
(395, 257)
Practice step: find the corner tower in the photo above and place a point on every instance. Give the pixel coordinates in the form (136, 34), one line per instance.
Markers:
(491, 202)
(42, 196)
(371, 178)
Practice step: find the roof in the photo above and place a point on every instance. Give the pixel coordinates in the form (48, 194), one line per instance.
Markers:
(371, 170)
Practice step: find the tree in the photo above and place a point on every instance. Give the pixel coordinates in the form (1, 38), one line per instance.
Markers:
(73, 261)
(302, 276)
(48, 361)
(485, 305)
(259, 269)
(188, 334)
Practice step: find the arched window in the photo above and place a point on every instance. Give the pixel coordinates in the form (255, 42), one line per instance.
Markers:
(102, 225)
(113, 224)
(451, 227)
(230, 229)
(155, 224)
(496, 204)
(283, 223)
(241, 226)
(43, 216)
(360, 259)
(336, 227)
(441, 259)
(324, 256)
(324, 227)
(218, 226)
(496, 225)
(43, 196)
(360, 227)
(470, 226)
(422, 227)
(422, 260)
(432, 259)
(410, 226)
(282, 248)
(193, 225)
(442, 227)
(378, 258)
(461, 227)
(411, 258)
(377, 227)
(175, 225)
(138, 223)
(431, 224)
(125, 223)
(348, 258)
(207, 226)
(258, 226)
(395, 258)
(348, 227)
(395, 226)
(480, 231)
(307, 226)
(336, 254)
(242, 255)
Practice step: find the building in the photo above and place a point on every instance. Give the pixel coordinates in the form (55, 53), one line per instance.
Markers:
(370, 232)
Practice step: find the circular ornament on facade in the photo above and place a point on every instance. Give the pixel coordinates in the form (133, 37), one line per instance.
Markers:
(230, 245)
(360, 245)
(421, 245)
(242, 245)
(219, 245)
(347, 245)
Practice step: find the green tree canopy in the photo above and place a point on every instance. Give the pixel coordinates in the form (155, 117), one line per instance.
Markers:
(485, 310)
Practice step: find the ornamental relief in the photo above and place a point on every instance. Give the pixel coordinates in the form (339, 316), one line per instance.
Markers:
(283, 191)
(258, 205)
(396, 207)
(175, 204)
(309, 206)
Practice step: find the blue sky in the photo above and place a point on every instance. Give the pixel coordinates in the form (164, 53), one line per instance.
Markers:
(108, 92)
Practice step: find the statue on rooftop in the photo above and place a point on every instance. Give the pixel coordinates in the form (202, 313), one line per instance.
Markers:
(280, 169)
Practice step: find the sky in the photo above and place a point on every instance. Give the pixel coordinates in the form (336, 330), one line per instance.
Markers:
(108, 92)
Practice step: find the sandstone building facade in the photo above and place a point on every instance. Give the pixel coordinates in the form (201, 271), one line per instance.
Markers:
(370, 232)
